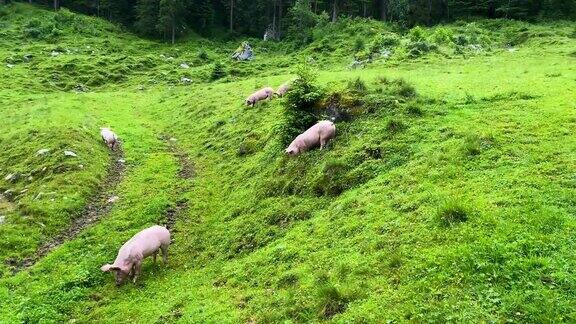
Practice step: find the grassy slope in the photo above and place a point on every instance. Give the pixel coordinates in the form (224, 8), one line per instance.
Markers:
(259, 243)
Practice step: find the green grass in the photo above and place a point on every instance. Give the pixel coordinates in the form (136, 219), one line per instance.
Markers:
(455, 202)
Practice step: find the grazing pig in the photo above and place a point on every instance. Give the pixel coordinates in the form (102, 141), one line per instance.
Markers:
(259, 95)
(283, 89)
(144, 244)
(109, 138)
(318, 134)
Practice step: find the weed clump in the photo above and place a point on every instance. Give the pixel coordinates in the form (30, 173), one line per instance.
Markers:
(332, 180)
(474, 144)
(394, 126)
(452, 212)
(332, 301)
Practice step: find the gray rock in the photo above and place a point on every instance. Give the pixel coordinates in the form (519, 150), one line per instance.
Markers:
(184, 66)
(42, 151)
(2, 219)
(70, 153)
(185, 80)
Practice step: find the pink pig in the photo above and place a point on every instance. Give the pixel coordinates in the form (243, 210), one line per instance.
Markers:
(144, 244)
(264, 93)
(283, 89)
(109, 138)
(318, 134)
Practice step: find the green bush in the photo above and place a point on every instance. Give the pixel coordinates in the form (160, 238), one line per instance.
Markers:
(300, 106)
(417, 34)
(202, 55)
(218, 71)
(442, 35)
(420, 48)
(358, 45)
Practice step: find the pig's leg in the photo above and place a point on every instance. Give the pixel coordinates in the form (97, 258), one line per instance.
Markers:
(322, 143)
(164, 249)
(137, 268)
(154, 256)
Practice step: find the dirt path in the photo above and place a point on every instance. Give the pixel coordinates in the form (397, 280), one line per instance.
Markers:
(98, 205)
(186, 171)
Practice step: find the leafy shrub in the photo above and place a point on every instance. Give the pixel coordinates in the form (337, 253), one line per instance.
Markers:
(202, 55)
(358, 45)
(417, 34)
(419, 48)
(299, 108)
(380, 42)
(442, 35)
(39, 29)
(218, 71)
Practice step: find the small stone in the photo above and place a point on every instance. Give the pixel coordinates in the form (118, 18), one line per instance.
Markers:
(70, 153)
(113, 199)
(172, 139)
(185, 80)
(184, 66)
(121, 161)
(54, 53)
(2, 219)
(81, 166)
(10, 65)
(42, 151)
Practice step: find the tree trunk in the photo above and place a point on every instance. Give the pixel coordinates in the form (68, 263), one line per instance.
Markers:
(97, 8)
(429, 19)
(280, 4)
(231, 15)
(56, 4)
(384, 10)
(315, 6)
(334, 10)
(173, 32)
(364, 8)
(274, 15)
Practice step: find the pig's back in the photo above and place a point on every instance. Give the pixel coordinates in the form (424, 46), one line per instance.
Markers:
(149, 240)
(326, 129)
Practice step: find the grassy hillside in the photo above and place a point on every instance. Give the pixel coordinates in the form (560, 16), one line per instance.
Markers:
(448, 194)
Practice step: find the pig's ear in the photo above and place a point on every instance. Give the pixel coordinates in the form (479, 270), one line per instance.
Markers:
(109, 267)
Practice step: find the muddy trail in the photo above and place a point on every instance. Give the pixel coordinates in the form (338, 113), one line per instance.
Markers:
(98, 206)
(185, 172)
